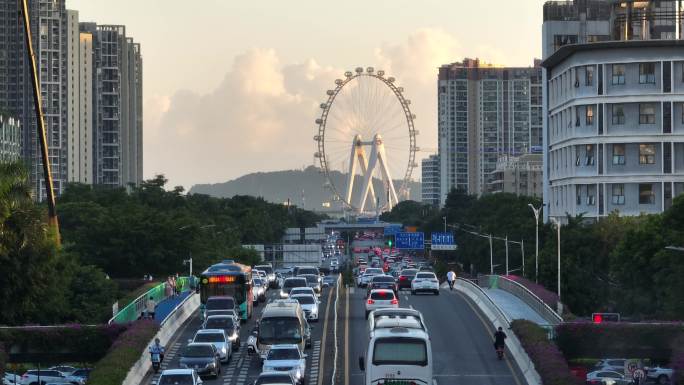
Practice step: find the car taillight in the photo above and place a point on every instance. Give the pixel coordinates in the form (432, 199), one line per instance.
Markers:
(370, 302)
(395, 302)
(402, 278)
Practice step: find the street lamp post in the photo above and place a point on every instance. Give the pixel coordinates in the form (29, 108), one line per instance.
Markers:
(557, 223)
(445, 225)
(536, 240)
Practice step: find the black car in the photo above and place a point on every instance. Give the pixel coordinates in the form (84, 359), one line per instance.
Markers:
(405, 278)
(227, 323)
(291, 283)
(203, 358)
(382, 282)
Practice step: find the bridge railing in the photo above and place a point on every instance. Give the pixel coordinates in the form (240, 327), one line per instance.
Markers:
(520, 291)
(135, 309)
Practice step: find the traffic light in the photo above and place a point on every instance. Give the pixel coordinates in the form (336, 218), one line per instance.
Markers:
(389, 243)
(598, 318)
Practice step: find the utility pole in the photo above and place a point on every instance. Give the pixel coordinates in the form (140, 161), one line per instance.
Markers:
(38, 106)
(536, 212)
(558, 231)
(522, 251)
(491, 256)
(506, 254)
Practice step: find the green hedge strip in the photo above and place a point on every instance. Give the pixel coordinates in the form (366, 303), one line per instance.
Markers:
(126, 350)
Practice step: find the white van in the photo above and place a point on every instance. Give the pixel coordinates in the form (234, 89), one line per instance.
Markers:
(398, 355)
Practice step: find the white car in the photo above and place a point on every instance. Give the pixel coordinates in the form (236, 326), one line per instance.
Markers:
(659, 375)
(46, 375)
(218, 338)
(309, 304)
(286, 358)
(10, 379)
(178, 376)
(259, 290)
(304, 290)
(381, 299)
(606, 377)
(425, 281)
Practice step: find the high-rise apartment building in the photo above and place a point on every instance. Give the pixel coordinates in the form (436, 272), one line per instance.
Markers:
(519, 175)
(613, 107)
(484, 112)
(10, 138)
(80, 115)
(117, 105)
(430, 176)
(49, 32)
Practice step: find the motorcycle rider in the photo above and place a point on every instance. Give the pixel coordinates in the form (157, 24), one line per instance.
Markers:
(499, 339)
(451, 279)
(157, 348)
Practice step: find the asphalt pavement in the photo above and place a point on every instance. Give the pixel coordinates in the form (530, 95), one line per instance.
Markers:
(243, 369)
(462, 340)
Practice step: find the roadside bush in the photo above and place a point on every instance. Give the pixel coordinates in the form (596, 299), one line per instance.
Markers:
(545, 355)
(126, 350)
(628, 340)
(73, 343)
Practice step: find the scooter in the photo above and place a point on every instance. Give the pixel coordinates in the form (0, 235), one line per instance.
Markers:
(156, 361)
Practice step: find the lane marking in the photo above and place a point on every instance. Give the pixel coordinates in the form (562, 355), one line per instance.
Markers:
(486, 325)
(325, 331)
(346, 339)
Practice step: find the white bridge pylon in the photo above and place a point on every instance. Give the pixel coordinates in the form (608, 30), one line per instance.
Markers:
(378, 158)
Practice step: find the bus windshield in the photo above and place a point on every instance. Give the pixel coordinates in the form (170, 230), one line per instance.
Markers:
(400, 351)
(280, 330)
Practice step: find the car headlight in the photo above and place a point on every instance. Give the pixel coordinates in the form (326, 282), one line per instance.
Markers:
(233, 336)
(298, 373)
(223, 350)
(211, 365)
(314, 311)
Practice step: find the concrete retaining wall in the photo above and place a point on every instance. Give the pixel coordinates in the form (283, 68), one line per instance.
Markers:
(498, 318)
(168, 328)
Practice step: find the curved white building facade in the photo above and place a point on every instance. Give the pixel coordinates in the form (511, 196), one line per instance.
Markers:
(614, 128)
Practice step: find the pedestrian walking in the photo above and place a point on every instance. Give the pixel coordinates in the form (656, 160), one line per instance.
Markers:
(451, 279)
(173, 285)
(168, 287)
(150, 307)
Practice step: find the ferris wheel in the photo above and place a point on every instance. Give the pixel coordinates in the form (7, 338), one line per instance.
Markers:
(366, 110)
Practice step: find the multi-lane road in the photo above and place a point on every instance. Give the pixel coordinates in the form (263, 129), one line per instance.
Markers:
(461, 342)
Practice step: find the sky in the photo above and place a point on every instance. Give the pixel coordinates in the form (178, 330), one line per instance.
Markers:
(233, 87)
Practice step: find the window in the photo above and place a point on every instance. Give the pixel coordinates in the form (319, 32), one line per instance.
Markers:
(579, 199)
(589, 148)
(400, 351)
(618, 74)
(647, 153)
(647, 73)
(619, 194)
(590, 115)
(618, 114)
(646, 113)
(589, 75)
(618, 154)
(646, 195)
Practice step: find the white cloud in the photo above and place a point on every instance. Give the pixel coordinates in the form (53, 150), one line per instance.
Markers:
(261, 116)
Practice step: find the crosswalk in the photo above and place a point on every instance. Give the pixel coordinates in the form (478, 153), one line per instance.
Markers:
(314, 366)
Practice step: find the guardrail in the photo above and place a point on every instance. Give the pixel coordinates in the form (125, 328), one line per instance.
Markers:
(497, 318)
(134, 310)
(520, 291)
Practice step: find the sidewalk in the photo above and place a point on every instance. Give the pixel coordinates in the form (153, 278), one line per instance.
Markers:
(514, 307)
(165, 307)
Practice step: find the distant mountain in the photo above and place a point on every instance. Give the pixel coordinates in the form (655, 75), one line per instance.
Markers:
(304, 188)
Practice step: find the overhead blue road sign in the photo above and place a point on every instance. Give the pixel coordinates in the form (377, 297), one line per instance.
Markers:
(392, 229)
(443, 241)
(409, 241)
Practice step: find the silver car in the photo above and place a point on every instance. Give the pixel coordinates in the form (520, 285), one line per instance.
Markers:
(218, 338)
(286, 358)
